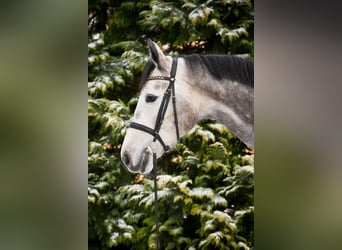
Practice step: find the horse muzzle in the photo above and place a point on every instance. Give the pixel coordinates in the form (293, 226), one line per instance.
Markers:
(143, 165)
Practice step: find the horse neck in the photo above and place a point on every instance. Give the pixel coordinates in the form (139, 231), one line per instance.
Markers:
(228, 102)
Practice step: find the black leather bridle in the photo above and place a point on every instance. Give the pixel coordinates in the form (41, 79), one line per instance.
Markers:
(169, 93)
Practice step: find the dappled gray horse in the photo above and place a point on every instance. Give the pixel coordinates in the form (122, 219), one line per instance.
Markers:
(176, 93)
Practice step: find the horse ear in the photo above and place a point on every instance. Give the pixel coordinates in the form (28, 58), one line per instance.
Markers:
(156, 54)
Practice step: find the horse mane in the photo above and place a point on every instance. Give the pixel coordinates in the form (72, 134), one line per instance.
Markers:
(228, 67)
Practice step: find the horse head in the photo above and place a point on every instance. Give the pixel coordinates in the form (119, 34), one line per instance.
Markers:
(154, 127)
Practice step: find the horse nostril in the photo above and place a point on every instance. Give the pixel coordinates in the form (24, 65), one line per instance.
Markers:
(126, 158)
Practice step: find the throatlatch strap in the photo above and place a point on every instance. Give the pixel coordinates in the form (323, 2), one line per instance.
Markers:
(172, 81)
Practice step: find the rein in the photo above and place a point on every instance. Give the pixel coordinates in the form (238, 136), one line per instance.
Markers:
(156, 197)
(169, 93)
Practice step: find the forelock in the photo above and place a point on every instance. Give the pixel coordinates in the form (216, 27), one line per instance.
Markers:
(150, 66)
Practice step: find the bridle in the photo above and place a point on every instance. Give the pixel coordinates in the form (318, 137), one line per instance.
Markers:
(169, 93)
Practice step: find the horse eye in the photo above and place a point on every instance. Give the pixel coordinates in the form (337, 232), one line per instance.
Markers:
(150, 98)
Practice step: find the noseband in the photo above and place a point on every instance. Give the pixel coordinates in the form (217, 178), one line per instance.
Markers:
(170, 92)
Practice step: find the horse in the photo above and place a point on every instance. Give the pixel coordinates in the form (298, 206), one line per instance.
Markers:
(216, 87)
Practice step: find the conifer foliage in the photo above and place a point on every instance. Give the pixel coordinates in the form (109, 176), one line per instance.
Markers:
(206, 185)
